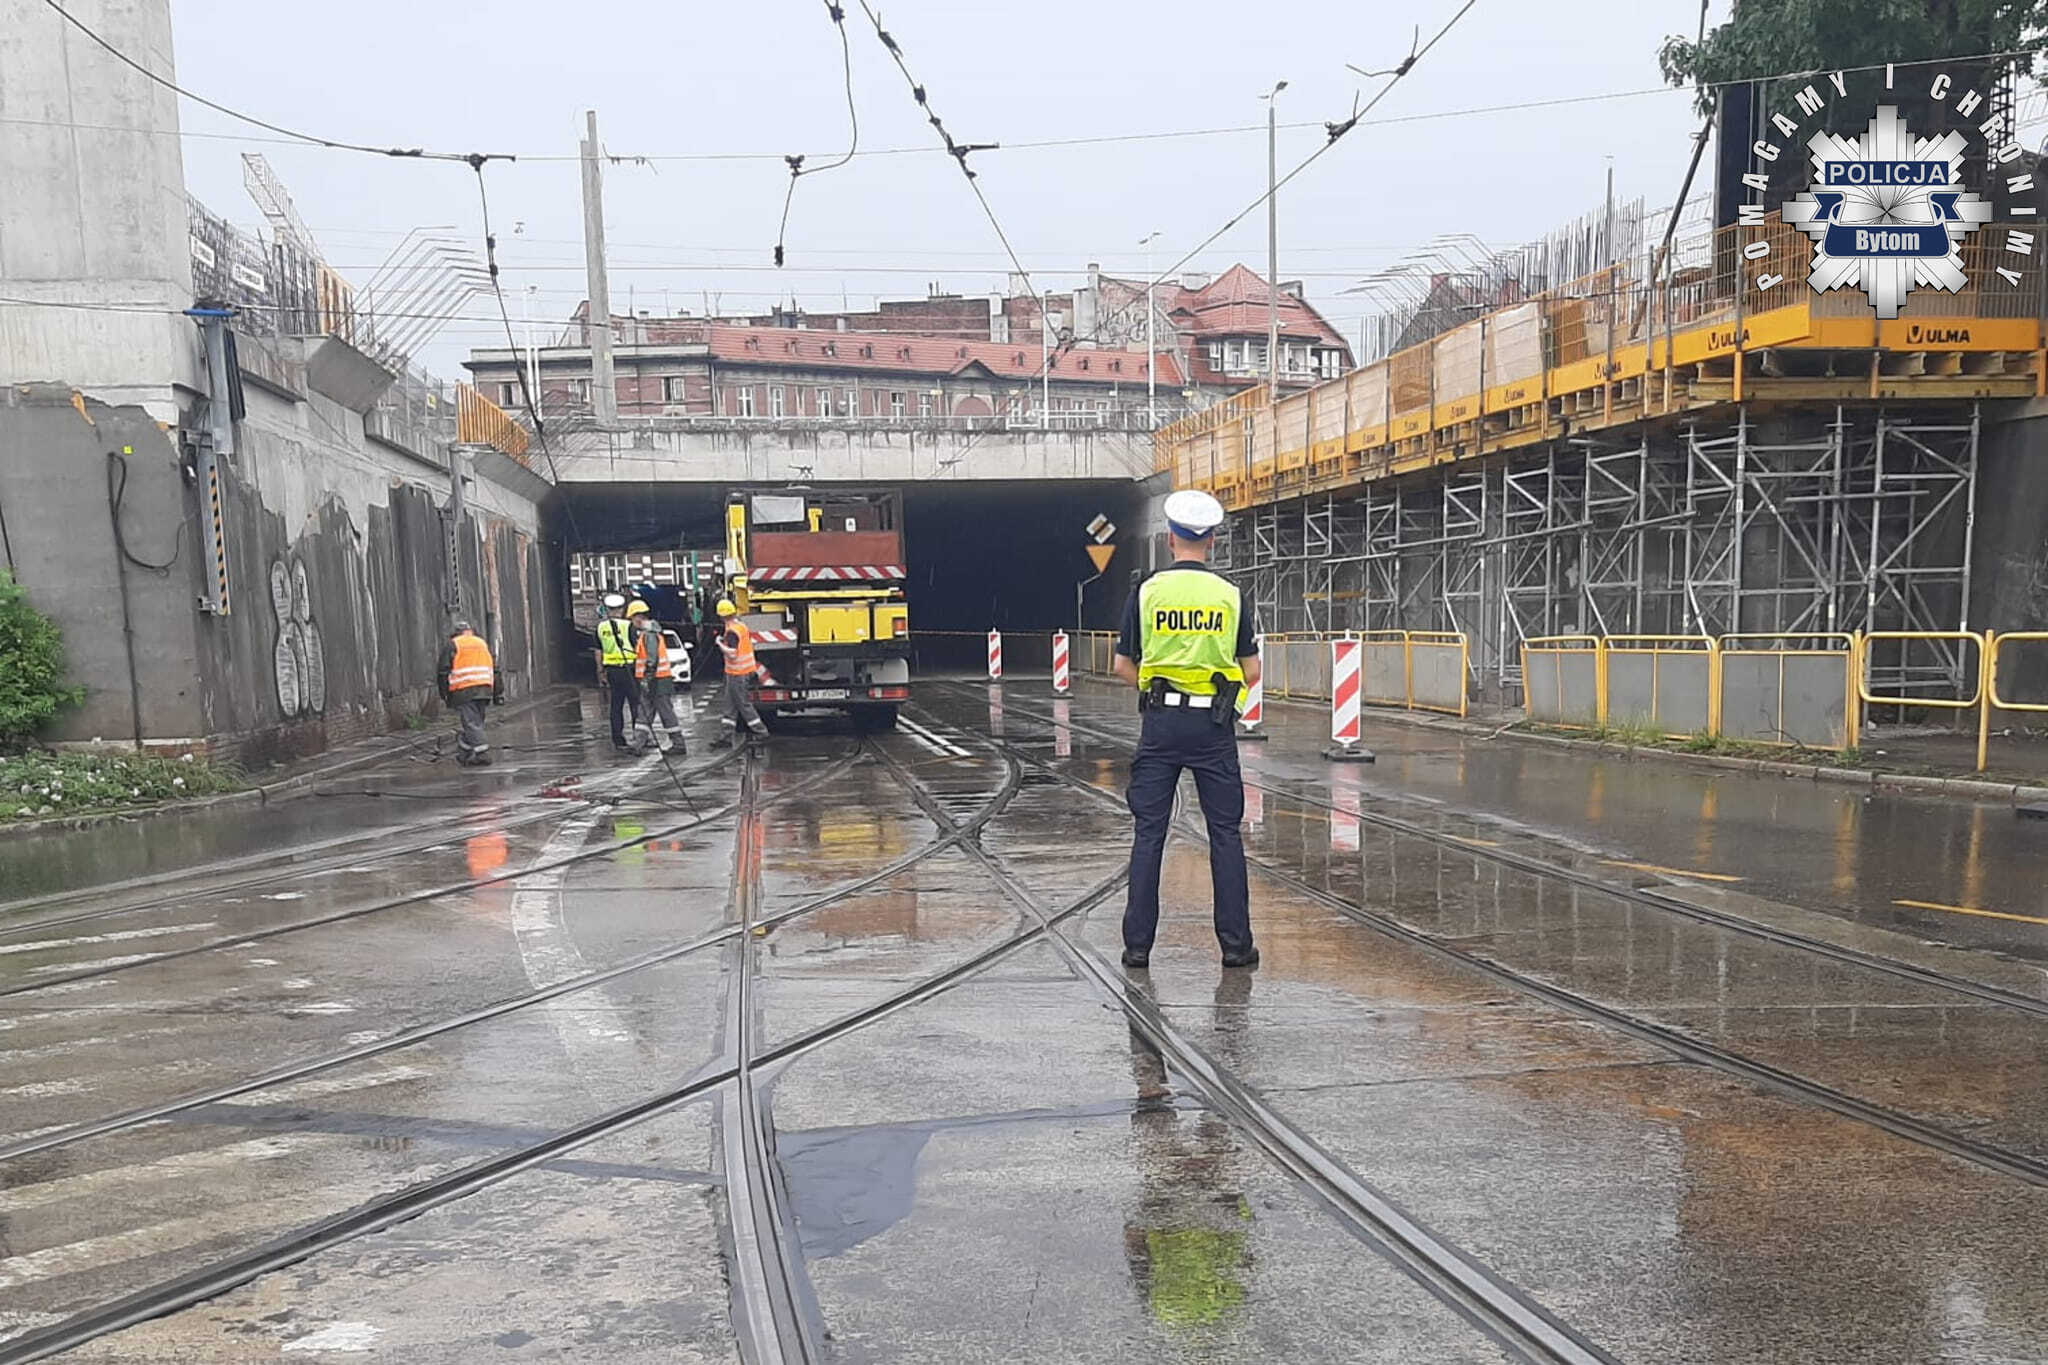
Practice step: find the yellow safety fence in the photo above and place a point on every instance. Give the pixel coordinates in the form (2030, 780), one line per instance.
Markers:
(1794, 690)
(1989, 647)
(1416, 670)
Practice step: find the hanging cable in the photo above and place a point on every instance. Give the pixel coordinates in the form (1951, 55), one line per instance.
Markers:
(117, 496)
(797, 170)
(415, 153)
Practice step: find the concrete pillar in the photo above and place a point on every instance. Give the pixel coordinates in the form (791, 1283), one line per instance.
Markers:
(95, 207)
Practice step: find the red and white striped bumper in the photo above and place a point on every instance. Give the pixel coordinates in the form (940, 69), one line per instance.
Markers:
(845, 573)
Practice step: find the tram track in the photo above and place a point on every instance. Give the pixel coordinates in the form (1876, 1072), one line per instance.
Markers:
(305, 1069)
(1647, 897)
(1462, 1283)
(838, 766)
(433, 832)
(218, 1276)
(1684, 1047)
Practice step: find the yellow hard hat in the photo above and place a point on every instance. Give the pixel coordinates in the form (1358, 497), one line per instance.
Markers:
(726, 608)
(636, 608)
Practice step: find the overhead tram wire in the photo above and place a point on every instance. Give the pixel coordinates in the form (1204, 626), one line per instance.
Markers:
(307, 139)
(796, 163)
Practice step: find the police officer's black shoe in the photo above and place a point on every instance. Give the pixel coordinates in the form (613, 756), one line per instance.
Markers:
(1138, 959)
(1248, 958)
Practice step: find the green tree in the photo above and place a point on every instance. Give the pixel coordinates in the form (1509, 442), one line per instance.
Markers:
(1767, 38)
(32, 687)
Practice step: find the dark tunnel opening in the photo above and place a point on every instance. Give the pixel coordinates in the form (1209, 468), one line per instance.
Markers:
(983, 555)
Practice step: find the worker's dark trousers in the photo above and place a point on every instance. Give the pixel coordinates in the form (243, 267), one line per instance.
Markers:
(1177, 738)
(739, 703)
(470, 746)
(625, 699)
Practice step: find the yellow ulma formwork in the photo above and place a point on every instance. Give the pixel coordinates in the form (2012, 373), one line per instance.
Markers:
(1609, 350)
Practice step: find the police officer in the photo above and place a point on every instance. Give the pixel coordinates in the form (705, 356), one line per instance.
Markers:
(1191, 647)
(615, 659)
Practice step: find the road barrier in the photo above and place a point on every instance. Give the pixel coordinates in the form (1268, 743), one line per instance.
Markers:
(995, 655)
(1561, 677)
(1346, 665)
(1793, 689)
(1670, 683)
(1254, 712)
(1062, 682)
(1980, 701)
(1385, 669)
(1438, 662)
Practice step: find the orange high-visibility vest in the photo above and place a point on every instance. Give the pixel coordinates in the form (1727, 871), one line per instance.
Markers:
(664, 667)
(741, 661)
(473, 666)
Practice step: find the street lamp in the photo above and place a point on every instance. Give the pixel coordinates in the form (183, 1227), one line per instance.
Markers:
(1272, 99)
(1151, 365)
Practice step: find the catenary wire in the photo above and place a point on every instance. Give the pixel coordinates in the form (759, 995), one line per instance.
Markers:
(310, 139)
(796, 162)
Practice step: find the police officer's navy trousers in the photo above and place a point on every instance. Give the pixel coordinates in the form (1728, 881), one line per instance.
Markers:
(625, 694)
(1176, 739)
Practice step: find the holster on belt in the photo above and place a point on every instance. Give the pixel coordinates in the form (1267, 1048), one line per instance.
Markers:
(1224, 710)
(1153, 697)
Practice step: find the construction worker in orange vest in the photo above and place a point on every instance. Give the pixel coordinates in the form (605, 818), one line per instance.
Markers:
(742, 676)
(654, 670)
(469, 682)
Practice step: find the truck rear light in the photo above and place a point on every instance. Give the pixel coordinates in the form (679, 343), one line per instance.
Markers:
(773, 694)
(889, 693)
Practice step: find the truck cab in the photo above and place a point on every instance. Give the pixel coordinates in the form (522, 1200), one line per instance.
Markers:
(819, 576)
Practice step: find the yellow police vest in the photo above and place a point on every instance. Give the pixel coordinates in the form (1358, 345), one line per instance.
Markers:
(1187, 630)
(615, 638)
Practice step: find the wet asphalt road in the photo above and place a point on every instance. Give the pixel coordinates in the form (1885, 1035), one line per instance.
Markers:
(824, 1055)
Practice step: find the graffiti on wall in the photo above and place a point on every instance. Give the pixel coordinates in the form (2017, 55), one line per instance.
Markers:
(298, 659)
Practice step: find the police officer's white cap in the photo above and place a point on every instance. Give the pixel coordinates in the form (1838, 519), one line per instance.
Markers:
(614, 601)
(1192, 514)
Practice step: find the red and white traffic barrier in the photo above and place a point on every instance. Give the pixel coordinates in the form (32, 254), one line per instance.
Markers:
(995, 655)
(1254, 712)
(1062, 677)
(1347, 687)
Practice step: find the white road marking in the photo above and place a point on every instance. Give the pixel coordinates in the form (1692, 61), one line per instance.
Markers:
(286, 896)
(331, 1085)
(206, 1160)
(119, 936)
(35, 1090)
(931, 739)
(340, 1336)
(55, 967)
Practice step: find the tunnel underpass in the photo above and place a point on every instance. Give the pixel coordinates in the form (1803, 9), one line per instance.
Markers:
(983, 555)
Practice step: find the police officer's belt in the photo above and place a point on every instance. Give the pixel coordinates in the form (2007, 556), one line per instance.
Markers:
(1185, 699)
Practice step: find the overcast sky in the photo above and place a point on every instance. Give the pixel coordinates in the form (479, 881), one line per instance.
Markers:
(745, 83)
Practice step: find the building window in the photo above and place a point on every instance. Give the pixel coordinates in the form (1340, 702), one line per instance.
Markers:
(746, 400)
(1332, 363)
(1216, 355)
(849, 403)
(672, 388)
(1233, 356)
(581, 389)
(508, 396)
(924, 405)
(824, 408)
(896, 405)
(775, 400)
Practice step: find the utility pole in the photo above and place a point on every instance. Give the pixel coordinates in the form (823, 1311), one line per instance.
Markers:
(1151, 362)
(1272, 98)
(604, 389)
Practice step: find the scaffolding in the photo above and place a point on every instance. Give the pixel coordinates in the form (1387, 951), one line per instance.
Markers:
(1759, 519)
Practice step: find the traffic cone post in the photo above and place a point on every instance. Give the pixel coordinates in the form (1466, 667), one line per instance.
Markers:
(1254, 714)
(1347, 658)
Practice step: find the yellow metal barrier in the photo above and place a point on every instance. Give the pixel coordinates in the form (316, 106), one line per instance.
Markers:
(1546, 685)
(1376, 688)
(1995, 643)
(1782, 647)
(1656, 648)
(1979, 701)
(1439, 648)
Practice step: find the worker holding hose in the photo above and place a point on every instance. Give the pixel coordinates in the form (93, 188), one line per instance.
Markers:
(1191, 647)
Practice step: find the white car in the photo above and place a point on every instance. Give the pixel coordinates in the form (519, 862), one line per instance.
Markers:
(679, 658)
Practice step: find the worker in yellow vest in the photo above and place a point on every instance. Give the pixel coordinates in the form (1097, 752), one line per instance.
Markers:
(1191, 646)
(742, 676)
(469, 682)
(615, 667)
(654, 670)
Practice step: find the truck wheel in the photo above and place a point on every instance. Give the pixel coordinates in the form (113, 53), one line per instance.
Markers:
(874, 719)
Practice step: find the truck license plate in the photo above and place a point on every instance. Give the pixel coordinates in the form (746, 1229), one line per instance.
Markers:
(827, 694)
